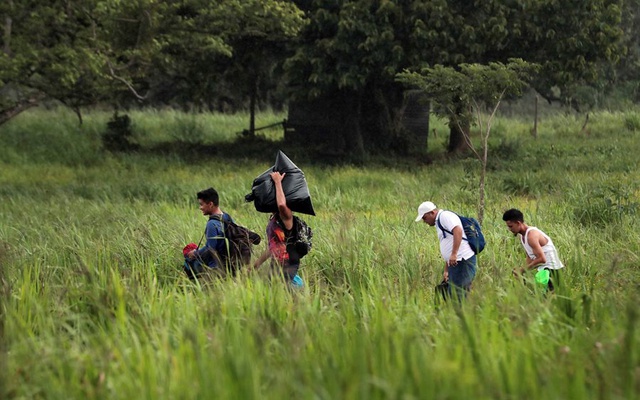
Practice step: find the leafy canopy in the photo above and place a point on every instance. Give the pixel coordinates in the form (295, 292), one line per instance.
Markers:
(471, 83)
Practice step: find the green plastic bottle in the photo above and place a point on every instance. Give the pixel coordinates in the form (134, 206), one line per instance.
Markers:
(542, 277)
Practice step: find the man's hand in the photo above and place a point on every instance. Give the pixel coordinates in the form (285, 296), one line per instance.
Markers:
(453, 260)
(445, 276)
(277, 177)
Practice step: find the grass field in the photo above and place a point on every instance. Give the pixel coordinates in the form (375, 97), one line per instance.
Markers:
(94, 304)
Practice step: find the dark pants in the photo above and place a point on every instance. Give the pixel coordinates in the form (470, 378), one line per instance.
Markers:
(554, 279)
(196, 269)
(461, 276)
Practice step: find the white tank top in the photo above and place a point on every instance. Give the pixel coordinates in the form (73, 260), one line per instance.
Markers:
(549, 250)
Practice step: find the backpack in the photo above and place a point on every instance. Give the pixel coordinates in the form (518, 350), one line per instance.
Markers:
(303, 236)
(472, 230)
(239, 241)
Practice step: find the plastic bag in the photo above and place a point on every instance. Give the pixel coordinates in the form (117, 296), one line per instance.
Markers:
(294, 185)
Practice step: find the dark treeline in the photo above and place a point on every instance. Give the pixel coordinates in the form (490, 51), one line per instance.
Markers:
(342, 57)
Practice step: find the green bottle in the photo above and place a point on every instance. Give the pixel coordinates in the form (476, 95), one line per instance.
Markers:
(542, 277)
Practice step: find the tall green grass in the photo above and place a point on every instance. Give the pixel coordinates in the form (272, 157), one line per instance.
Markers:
(95, 304)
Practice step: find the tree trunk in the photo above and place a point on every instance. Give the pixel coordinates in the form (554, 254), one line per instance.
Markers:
(252, 107)
(483, 174)
(78, 114)
(459, 126)
(415, 119)
(352, 129)
(456, 137)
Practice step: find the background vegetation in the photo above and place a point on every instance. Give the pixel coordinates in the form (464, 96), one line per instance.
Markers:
(94, 304)
(237, 55)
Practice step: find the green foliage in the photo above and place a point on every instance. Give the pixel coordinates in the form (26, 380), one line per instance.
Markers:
(632, 122)
(227, 49)
(110, 51)
(474, 85)
(608, 204)
(360, 46)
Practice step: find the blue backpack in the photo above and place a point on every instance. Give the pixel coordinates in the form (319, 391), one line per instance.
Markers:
(472, 230)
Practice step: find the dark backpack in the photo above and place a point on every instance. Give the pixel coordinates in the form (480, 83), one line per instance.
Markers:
(472, 229)
(303, 236)
(239, 241)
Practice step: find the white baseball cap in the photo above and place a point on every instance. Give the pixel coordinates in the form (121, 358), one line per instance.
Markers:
(424, 208)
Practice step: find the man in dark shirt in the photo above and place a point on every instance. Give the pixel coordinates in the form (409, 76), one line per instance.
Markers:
(214, 251)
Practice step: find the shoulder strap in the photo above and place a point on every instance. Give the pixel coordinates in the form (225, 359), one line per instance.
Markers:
(225, 219)
(445, 230)
(442, 227)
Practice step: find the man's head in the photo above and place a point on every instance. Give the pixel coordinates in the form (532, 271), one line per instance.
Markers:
(208, 200)
(427, 212)
(514, 220)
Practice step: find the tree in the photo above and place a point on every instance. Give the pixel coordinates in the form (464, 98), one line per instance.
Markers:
(478, 87)
(80, 52)
(351, 51)
(259, 45)
(220, 55)
(355, 48)
(68, 51)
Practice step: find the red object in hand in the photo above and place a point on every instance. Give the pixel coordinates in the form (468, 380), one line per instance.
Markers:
(188, 248)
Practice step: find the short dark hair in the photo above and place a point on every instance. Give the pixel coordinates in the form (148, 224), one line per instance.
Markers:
(513, 215)
(209, 195)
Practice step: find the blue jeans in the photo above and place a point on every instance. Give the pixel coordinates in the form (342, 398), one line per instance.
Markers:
(195, 269)
(290, 275)
(461, 276)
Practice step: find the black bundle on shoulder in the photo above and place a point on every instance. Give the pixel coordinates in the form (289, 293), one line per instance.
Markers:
(294, 185)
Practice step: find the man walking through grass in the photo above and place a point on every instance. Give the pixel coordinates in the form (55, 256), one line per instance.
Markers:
(211, 256)
(542, 254)
(460, 260)
(280, 233)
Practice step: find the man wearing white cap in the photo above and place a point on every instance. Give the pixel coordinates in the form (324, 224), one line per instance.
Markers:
(460, 260)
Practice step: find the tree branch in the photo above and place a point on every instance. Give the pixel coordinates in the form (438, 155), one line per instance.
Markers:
(127, 83)
(20, 106)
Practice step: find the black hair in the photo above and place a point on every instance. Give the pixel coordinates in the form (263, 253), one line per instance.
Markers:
(209, 195)
(513, 215)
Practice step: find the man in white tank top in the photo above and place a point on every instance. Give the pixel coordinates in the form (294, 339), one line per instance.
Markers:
(541, 252)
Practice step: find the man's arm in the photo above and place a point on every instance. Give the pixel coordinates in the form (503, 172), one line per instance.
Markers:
(457, 239)
(533, 239)
(286, 216)
(213, 234)
(263, 257)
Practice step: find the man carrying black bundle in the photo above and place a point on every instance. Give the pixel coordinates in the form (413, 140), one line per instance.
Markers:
(281, 233)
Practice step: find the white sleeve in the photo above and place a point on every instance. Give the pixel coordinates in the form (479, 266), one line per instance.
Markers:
(450, 220)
